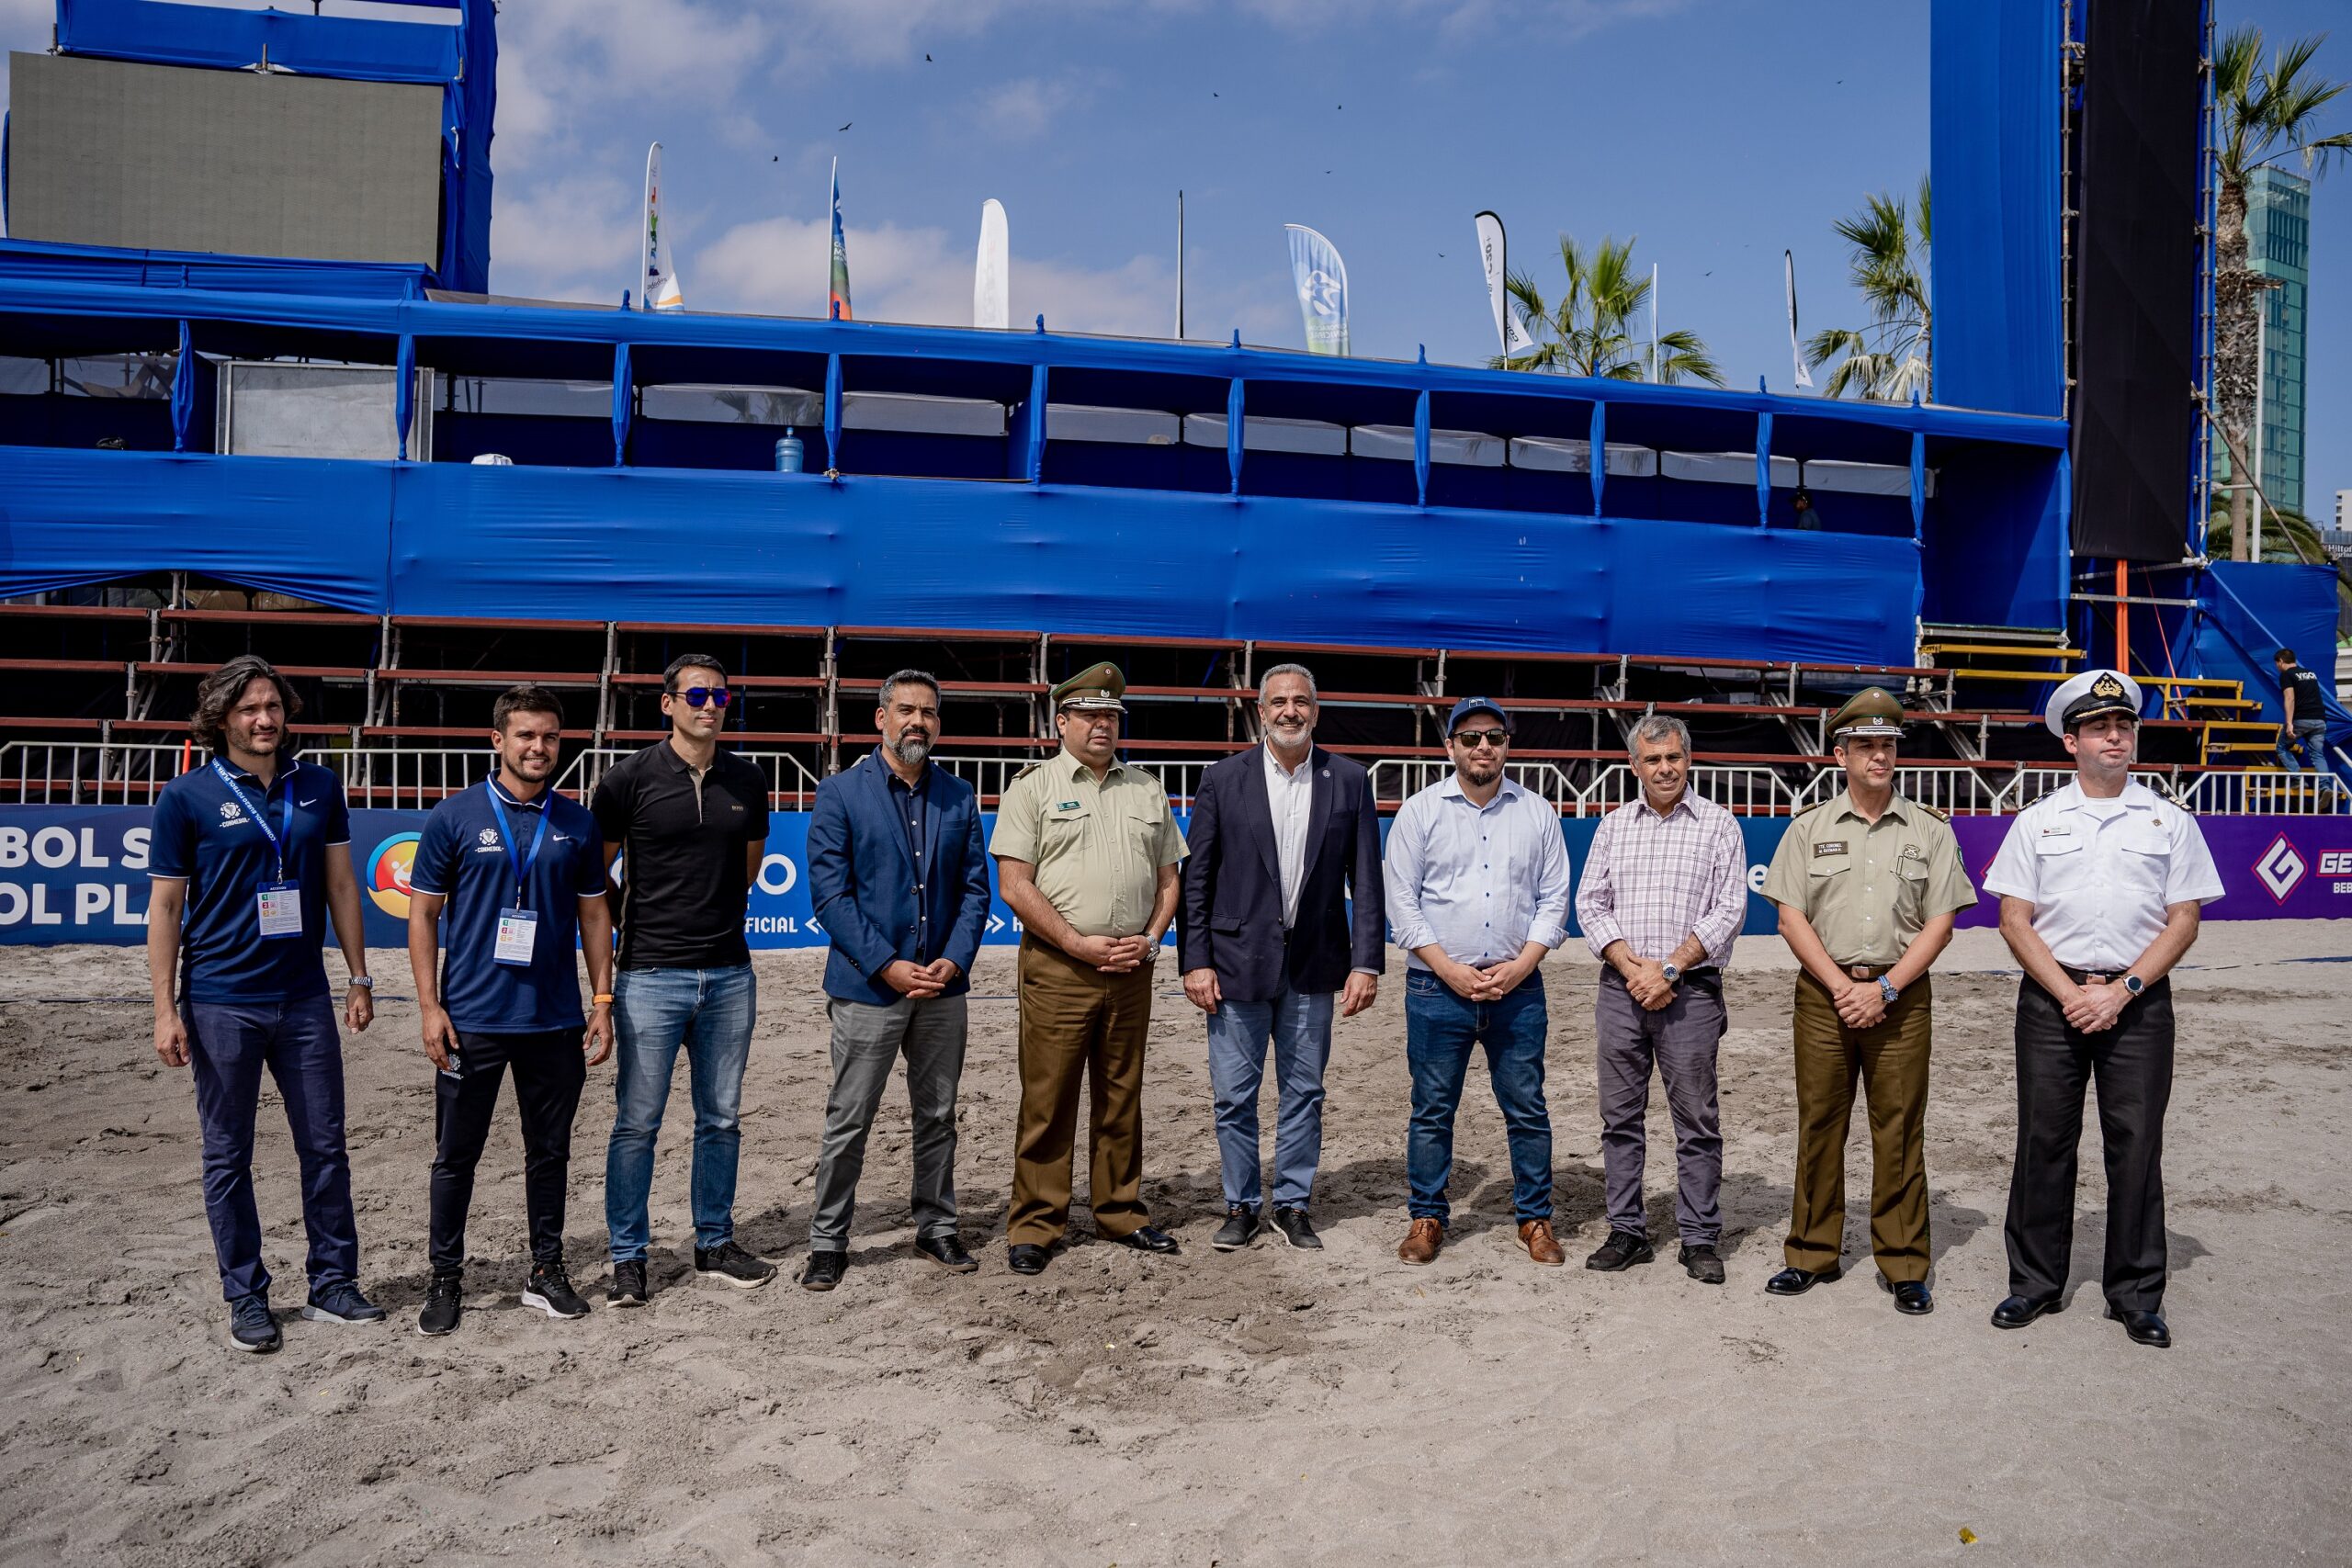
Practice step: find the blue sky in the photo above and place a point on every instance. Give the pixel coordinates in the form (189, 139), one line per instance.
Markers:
(1718, 131)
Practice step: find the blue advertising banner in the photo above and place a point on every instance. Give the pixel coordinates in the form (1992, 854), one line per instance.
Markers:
(79, 874)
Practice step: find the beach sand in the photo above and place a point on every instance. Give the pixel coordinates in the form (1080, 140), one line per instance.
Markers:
(1268, 1407)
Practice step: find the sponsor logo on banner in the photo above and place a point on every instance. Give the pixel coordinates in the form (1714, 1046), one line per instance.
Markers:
(2281, 868)
(389, 871)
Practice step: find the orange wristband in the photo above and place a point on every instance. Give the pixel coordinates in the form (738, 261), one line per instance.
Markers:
(604, 998)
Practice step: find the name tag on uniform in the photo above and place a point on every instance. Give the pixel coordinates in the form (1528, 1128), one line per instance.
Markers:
(517, 928)
(1066, 806)
(1833, 847)
(280, 906)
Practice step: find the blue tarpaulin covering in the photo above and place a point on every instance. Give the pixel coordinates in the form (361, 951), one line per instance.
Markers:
(2252, 610)
(598, 544)
(1994, 161)
(39, 266)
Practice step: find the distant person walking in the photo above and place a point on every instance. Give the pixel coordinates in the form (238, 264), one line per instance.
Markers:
(693, 821)
(1282, 836)
(1477, 882)
(519, 872)
(2304, 717)
(898, 878)
(1663, 897)
(251, 854)
(1086, 851)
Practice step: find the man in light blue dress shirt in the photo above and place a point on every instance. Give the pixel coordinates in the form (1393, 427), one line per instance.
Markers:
(1478, 888)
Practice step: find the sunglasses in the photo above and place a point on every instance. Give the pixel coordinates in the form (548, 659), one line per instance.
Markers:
(718, 696)
(1471, 740)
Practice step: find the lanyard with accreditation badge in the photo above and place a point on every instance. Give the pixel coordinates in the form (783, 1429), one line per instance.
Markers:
(280, 902)
(518, 926)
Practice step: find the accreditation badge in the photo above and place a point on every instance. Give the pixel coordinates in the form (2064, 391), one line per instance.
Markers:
(517, 930)
(280, 905)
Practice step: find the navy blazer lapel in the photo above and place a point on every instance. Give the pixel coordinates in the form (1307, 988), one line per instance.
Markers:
(889, 804)
(1318, 813)
(927, 873)
(1258, 811)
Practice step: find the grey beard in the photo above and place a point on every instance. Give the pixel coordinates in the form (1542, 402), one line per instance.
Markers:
(911, 748)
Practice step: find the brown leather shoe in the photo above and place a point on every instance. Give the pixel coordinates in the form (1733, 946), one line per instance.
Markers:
(1422, 1243)
(1536, 1240)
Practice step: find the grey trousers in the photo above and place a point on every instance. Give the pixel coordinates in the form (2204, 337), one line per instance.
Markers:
(1681, 1039)
(867, 1039)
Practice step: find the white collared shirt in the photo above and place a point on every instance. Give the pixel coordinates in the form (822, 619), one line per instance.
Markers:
(1480, 882)
(1290, 800)
(2099, 873)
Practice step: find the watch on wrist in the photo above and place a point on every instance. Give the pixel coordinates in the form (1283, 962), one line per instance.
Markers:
(1888, 989)
(364, 982)
(2134, 985)
(1673, 973)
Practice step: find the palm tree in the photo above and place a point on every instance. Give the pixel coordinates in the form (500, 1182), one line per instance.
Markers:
(1891, 357)
(1589, 331)
(2266, 112)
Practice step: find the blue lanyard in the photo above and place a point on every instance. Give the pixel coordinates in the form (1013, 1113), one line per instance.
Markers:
(521, 862)
(260, 814)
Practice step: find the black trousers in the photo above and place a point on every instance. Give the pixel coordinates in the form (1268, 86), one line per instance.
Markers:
(2132, 1064)
(549, 1073)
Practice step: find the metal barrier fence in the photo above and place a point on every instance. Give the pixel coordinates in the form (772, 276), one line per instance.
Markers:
(44, 772)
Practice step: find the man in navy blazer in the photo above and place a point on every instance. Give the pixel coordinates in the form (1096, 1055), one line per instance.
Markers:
(899, 880)
(1282, 836)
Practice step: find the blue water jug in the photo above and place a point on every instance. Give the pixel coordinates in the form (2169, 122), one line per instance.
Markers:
(788, 454)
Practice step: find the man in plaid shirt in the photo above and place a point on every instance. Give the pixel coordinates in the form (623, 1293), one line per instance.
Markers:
(1665, 891)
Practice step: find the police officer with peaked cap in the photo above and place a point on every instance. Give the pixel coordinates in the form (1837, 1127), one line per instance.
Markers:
(2101, 883)
(1868, 884)
(1087, 851)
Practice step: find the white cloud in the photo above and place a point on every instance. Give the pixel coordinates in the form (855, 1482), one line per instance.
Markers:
(558, 66)
(573, 238)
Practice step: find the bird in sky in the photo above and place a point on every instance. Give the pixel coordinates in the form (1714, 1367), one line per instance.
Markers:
(846, 127)
(927, 59)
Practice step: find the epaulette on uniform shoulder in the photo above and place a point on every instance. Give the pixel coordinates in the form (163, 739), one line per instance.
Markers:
(1814, 807)
(1937, 812)
(1024, 773)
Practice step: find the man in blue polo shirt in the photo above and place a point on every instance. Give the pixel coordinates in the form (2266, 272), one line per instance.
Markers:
(520, 871)
(251, 853)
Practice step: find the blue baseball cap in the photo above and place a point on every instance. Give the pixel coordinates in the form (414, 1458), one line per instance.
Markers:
(1469, 706)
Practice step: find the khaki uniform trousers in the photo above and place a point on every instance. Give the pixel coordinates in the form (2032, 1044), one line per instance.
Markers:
(1891, 1060)
(1076, 1020)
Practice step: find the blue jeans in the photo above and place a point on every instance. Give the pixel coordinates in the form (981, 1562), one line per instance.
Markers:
(228, 1045)
(2312, 737)
(1441, 1028)
(655, 1011)
(1300, 1027)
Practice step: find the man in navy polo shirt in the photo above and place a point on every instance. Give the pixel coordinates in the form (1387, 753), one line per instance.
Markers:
(251, 853)
(520, 871)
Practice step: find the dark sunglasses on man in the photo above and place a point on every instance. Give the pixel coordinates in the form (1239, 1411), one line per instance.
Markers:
(718, 696)
(1471, 740)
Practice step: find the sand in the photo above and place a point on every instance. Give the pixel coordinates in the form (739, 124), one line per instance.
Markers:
(1268, 1407)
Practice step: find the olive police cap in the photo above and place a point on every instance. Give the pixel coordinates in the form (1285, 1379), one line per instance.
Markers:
(1096, 688)
(1874, 710)
(2089, 694)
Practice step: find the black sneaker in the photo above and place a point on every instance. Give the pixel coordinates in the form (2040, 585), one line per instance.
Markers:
(1240, 1228)
(550, 1290)
(1296, 1230)
(1622, 1250)
(251, 1328)
(341, 1303)
(824, 1270)
(731, 1265)
(628, 1289)
(1702, 1263)
(444, 1305)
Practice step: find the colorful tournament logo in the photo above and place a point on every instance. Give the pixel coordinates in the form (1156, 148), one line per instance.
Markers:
(389, 870)
(2281, 868)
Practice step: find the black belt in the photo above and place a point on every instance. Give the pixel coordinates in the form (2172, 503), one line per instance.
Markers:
(1866, 971)
(2093, 976)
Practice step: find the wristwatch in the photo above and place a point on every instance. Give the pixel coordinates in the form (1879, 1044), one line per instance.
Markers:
(2134, 985)
(1673, 974)
(1888, 989)
(363, 982)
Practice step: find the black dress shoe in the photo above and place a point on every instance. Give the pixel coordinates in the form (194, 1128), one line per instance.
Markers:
(1702, 1263)
(1296, 1230)
(2016, 1312)
(2144, 1327)
(824, 1270)
(1145, 1238)
(1622, 1250)
(947, 1251)
(1239, 1229)
(1912, 1298)
(1027, 1257)
(1795, 1281)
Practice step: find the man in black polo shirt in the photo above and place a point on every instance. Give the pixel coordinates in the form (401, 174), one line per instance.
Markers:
(693, 821)
(520, 871)
(2304, 708)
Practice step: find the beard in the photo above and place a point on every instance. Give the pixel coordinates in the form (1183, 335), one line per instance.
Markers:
(911, 747)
